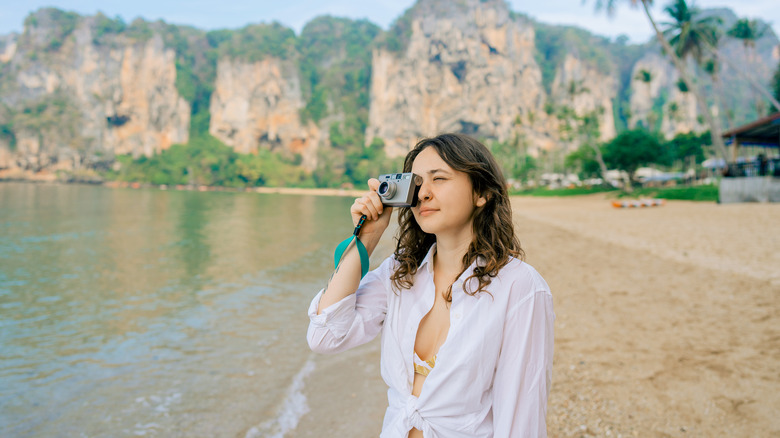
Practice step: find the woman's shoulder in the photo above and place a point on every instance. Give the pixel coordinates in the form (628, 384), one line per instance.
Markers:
(522, 279)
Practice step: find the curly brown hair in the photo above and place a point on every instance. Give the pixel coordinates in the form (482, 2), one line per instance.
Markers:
(494, 236)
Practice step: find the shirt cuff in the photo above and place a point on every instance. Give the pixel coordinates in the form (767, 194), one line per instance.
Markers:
(337, 317)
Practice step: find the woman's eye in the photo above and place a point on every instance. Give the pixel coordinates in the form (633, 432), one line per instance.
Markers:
(438, 178)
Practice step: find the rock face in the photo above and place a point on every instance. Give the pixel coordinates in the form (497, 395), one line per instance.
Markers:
(586, 90)
(657, 99)
(468, 68)
(99, 99)
(257, 105)
(7, 47)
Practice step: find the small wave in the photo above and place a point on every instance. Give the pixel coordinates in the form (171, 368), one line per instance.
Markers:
(293, 408)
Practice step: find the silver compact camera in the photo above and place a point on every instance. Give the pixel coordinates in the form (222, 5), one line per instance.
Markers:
(399, 189)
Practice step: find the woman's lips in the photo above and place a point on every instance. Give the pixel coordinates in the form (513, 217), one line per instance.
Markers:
(427, 211)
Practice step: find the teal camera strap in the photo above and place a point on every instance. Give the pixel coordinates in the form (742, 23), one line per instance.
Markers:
(342, 247)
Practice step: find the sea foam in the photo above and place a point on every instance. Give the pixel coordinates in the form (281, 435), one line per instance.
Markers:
(292, 409)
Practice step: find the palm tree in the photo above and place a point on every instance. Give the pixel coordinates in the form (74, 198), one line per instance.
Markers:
(749, 32)
(776, 82)
(712, 68)
(714, 124)
(689, 34)
(742, 74)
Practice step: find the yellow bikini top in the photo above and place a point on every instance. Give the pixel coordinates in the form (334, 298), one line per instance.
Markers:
(423, 366)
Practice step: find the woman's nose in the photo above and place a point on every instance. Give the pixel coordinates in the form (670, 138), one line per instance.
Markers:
(425, 193)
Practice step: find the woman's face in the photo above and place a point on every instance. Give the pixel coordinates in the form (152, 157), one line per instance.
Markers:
(447, 199)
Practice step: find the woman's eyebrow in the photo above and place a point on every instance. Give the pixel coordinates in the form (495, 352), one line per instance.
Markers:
(431, 172)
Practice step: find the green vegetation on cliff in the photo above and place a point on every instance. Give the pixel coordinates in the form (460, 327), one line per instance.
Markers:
(207, 161)
(195, 71)
(397, 37)
(256, 42)
(776, 82)
(335, 65)
(553, 43)
(52, 25)
(50, 113)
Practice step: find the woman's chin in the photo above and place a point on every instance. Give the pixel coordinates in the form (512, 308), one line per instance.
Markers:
(427, 227)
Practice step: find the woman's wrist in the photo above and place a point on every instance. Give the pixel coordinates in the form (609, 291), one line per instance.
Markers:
(370, 240)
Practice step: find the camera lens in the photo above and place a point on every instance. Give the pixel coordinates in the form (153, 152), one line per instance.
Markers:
(386, 189)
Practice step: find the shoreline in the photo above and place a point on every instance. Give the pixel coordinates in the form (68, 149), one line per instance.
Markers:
(317, 191)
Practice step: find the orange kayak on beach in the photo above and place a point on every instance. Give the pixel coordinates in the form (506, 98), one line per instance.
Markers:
(636, 203)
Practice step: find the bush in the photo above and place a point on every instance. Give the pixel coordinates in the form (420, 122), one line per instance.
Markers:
(692, 193)
(576, 191)
(207, 161)
(633, 149)
(139, 30)
(105, 26)
(256, 42)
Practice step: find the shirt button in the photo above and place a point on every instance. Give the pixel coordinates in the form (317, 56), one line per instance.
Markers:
(457, 316)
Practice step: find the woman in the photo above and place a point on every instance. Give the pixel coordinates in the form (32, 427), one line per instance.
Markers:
(467, 327)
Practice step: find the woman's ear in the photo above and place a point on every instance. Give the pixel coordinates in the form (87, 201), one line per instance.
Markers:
(481, 201)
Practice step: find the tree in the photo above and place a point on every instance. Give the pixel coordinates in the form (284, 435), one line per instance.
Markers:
(683, 147)
(584, 160)
(633, 149)
(715, 129)
(584, 128)
(688, 33)
(776, 82)
(644, 76)
(712, 68)
(749, 31)
(589, 133)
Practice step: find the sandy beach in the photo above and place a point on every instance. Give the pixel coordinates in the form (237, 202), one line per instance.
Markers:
(667, 324)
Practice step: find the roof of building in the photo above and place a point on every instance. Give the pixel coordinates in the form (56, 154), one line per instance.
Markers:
(763, 132)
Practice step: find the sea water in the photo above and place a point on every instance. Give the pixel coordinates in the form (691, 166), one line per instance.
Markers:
(158, 313)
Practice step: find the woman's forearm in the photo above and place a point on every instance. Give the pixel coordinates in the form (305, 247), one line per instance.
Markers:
(346, 279)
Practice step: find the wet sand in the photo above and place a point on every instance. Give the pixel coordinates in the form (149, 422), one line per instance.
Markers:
(667, 324)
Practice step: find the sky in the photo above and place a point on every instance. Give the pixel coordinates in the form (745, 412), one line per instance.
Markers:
(296, 13)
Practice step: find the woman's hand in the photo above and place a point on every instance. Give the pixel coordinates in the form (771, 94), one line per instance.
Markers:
(370, 204)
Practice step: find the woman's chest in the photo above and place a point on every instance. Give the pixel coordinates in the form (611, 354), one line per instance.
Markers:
(473, 335)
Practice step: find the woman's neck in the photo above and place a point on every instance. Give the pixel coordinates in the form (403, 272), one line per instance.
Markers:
(450, 251)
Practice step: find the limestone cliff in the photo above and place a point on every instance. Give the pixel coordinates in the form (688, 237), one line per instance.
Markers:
(7, 47)
(586, 91)
(70, 99)
(257, 105)
(656, 98)
(468, 67)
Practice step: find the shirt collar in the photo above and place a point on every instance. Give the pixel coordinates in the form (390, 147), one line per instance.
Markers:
(428, 260)
(428, 263)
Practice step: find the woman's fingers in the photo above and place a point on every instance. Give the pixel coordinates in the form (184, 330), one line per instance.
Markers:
(376, 201)
(365, 206)
(371, 208)
(369, 204)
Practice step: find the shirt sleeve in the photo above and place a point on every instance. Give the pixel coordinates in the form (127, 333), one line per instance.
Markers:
(354, 320)
(524, 369)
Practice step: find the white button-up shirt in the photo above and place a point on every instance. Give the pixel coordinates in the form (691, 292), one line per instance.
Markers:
(492, 374)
